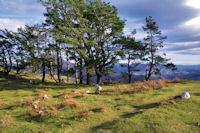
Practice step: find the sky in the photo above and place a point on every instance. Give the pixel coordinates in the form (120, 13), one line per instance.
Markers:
(179, 20)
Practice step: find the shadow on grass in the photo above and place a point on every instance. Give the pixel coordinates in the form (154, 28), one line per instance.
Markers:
(13, 82)
(139, 109)
(105, 126)
(196, 94)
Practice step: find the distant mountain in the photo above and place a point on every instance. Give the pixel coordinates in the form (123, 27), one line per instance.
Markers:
(191, 72)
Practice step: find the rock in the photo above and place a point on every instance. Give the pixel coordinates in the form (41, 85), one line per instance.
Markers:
(46, 96)
(40, 111)
(87, 92)
(98, 89)
(185, 95)
(198, 123)
(35, 106)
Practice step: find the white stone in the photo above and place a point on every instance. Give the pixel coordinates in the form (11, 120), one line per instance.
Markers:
(46, 96)
(35, 106)
(98, 88)
(87, 92)
(185, 95)
(40, 111)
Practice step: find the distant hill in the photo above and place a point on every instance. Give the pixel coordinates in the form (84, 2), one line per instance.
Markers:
(191, 72)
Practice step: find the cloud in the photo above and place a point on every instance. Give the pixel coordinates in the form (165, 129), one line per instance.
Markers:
(11, 24)
(17, 13)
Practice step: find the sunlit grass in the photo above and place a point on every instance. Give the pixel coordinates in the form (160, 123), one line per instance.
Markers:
(70, 110)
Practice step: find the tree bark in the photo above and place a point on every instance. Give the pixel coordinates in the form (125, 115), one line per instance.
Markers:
(89, 79)
(76, 72)
(81, 71)
(58, 64)
(43, 71)
(129, 69)
(99, 79)
(68, 64)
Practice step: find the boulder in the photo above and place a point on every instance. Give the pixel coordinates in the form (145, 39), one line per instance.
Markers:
(185, 95)
(98, 89)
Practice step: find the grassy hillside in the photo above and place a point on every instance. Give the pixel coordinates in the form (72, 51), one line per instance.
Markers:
(119, 108)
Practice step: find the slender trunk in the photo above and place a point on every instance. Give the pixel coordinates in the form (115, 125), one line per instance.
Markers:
(76, 72)
(129, 69)
(152, 59)
(43, 71)
(99, 79)
(149, 72)
(89, 79)
(58, 64)
(81, 71)
(68, 64)
(51, 71)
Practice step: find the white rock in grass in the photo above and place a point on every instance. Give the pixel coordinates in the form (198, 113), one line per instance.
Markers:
(40, 111)
(98, 89)
(35, 106)
(46, 96)
(185, 95)
(87, 92)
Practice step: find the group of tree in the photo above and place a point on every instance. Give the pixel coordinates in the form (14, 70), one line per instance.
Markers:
(90, 34)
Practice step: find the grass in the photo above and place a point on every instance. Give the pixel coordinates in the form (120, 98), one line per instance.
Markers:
(140, 107)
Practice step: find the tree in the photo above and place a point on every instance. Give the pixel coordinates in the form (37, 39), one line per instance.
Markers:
(133, 53)
(7, 52)
(90, 27)
(153, 43)
(106, 27)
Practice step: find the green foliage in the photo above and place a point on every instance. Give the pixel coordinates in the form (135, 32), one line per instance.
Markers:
(153, 43)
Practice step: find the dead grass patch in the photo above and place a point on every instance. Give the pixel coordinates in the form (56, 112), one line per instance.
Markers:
(83, 114)
(68, 102)
(6, 120)
(146, 86)
(86, 113)
(109, 91)
(98, 109)
(1, 103)
(74, 94)
(177, 80)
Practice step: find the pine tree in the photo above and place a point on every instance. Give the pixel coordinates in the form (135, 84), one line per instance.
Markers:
(154, 42)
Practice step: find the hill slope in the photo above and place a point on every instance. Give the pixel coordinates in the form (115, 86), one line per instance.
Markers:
(119, 108)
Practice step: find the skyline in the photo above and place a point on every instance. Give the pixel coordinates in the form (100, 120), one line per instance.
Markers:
(178, 20)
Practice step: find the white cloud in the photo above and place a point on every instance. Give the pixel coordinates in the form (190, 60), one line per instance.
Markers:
(194, 22)
(193, 3)
(11, 24)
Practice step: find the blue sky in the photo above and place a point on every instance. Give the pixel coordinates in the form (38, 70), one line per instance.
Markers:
(179, 20)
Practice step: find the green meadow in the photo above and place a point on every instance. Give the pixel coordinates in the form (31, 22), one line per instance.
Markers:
(119, 108)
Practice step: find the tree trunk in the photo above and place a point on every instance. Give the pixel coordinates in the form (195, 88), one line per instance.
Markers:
(99, 79)
(81, 71)
(58, 64)
(129, 70)
(76, 72)
(43, 71)
(149, 72)
(68, 64)
(89, 79)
